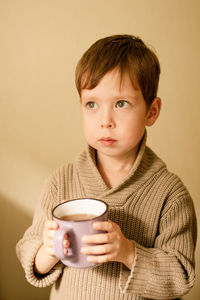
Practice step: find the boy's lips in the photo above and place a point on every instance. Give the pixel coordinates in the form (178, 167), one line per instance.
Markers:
(107, 141)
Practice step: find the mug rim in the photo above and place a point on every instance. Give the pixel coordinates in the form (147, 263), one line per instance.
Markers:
(66, 201)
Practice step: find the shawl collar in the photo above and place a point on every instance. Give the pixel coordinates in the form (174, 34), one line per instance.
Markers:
(146, 165)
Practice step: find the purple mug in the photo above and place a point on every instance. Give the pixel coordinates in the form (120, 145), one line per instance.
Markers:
(75, 218)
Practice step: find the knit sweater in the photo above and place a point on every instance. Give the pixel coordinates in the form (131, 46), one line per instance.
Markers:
(153, 209)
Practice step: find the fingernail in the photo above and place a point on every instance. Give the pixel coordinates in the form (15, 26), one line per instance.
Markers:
(83, 250)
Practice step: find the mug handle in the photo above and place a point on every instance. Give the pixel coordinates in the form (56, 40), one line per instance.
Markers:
(58, 244)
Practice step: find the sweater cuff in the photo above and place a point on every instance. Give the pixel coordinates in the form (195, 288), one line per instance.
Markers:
(28, 261)
(136, 280)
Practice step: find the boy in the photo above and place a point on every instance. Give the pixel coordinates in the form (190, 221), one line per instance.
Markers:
(148, 250)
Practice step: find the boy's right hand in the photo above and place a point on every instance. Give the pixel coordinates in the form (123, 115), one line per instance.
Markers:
(45, 258)
(48, 236)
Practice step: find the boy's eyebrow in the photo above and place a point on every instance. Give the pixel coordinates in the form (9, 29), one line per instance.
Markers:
(115, 97)
(92, 98)
(125, 96)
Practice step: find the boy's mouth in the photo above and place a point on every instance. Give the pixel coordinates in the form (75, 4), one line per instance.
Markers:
(107, 141)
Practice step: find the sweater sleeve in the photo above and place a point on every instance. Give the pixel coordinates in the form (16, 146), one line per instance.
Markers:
(29, 245)
(165, 271)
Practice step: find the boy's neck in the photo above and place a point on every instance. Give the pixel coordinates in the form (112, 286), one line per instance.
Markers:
(114, 170)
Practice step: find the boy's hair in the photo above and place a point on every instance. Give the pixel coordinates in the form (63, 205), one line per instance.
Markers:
(128, 53)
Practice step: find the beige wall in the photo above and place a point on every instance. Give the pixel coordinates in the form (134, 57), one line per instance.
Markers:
(40, 126)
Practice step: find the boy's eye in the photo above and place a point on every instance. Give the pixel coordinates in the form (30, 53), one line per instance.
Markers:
(122, 104)
(91, 105)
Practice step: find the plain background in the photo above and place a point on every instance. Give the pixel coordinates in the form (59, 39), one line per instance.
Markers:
(40, 122)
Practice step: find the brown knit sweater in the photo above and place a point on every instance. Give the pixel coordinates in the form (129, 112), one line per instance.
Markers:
(152, 207)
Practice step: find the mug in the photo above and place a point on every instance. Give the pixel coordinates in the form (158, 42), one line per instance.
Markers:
(75, 218)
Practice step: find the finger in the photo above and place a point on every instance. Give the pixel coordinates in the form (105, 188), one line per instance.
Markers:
(106, 226)
(66, 244)
(65, 236)
(48, 243)
(102, 249)
(65, 251)
(49, 231)
(100, 259)
(48, 234)
(51, 224)
(97, 238)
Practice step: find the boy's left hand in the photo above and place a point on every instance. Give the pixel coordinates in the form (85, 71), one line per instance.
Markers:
(113, 245)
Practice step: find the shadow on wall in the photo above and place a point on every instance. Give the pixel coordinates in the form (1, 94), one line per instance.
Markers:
(13, 285)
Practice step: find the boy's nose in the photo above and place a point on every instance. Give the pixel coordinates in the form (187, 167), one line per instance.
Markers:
(107, 125)
(107, 121)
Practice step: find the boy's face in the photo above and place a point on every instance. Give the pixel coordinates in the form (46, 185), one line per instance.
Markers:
(114, 116)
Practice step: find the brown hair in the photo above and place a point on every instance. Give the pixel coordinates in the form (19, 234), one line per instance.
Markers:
(127, 52)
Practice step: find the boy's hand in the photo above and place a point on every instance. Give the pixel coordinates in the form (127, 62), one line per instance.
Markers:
(48, 235)
(114, 246)
(45, 258)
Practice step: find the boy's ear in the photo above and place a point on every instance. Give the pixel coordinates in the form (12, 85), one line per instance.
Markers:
(153, 111)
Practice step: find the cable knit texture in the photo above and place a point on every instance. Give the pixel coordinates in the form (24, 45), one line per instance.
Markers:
(153, 209)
